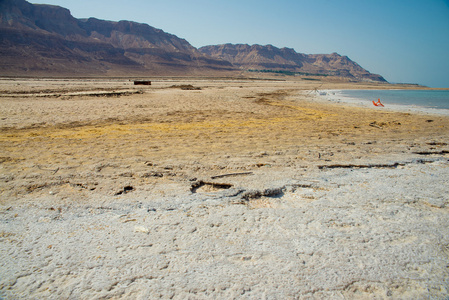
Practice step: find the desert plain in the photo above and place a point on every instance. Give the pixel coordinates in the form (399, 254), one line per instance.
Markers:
(196, 188)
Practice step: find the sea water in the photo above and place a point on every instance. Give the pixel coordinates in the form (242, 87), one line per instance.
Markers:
(436, 101)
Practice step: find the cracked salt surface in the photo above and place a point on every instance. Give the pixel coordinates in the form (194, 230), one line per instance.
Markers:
(348, 233)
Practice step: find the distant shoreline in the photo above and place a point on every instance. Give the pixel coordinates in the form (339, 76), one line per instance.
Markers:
(347, 85)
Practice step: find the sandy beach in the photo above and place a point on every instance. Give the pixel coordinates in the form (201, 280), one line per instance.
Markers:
(218, 189)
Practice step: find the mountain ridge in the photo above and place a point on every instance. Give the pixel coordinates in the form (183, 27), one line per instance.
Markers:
(46, 40)
(270, 57)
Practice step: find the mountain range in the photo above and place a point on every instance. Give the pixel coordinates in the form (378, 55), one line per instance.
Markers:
(286, 60)
(46, 40)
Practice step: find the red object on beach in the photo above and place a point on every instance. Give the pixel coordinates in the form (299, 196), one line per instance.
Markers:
(378, 103)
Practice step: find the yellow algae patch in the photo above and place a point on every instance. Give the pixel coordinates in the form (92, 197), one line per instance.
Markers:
(307, 111)
(112, 131)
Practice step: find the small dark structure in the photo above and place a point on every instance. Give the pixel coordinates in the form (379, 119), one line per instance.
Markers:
(142, 82)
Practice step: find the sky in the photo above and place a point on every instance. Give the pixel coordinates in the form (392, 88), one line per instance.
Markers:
(406, 41)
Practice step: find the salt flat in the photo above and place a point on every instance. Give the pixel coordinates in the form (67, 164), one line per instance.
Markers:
(238, 189)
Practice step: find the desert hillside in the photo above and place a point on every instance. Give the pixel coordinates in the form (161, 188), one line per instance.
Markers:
(46, 40)
(272, 59)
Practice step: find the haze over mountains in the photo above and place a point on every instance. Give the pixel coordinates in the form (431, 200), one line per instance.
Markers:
(46, 40)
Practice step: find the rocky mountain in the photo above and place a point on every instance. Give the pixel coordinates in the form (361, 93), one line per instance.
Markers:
(270, 58)
(48, 40)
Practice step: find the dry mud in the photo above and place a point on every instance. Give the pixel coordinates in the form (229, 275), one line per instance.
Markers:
(229, 189)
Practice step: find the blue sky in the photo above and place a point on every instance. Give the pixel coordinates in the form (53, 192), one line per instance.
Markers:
(403, 40)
